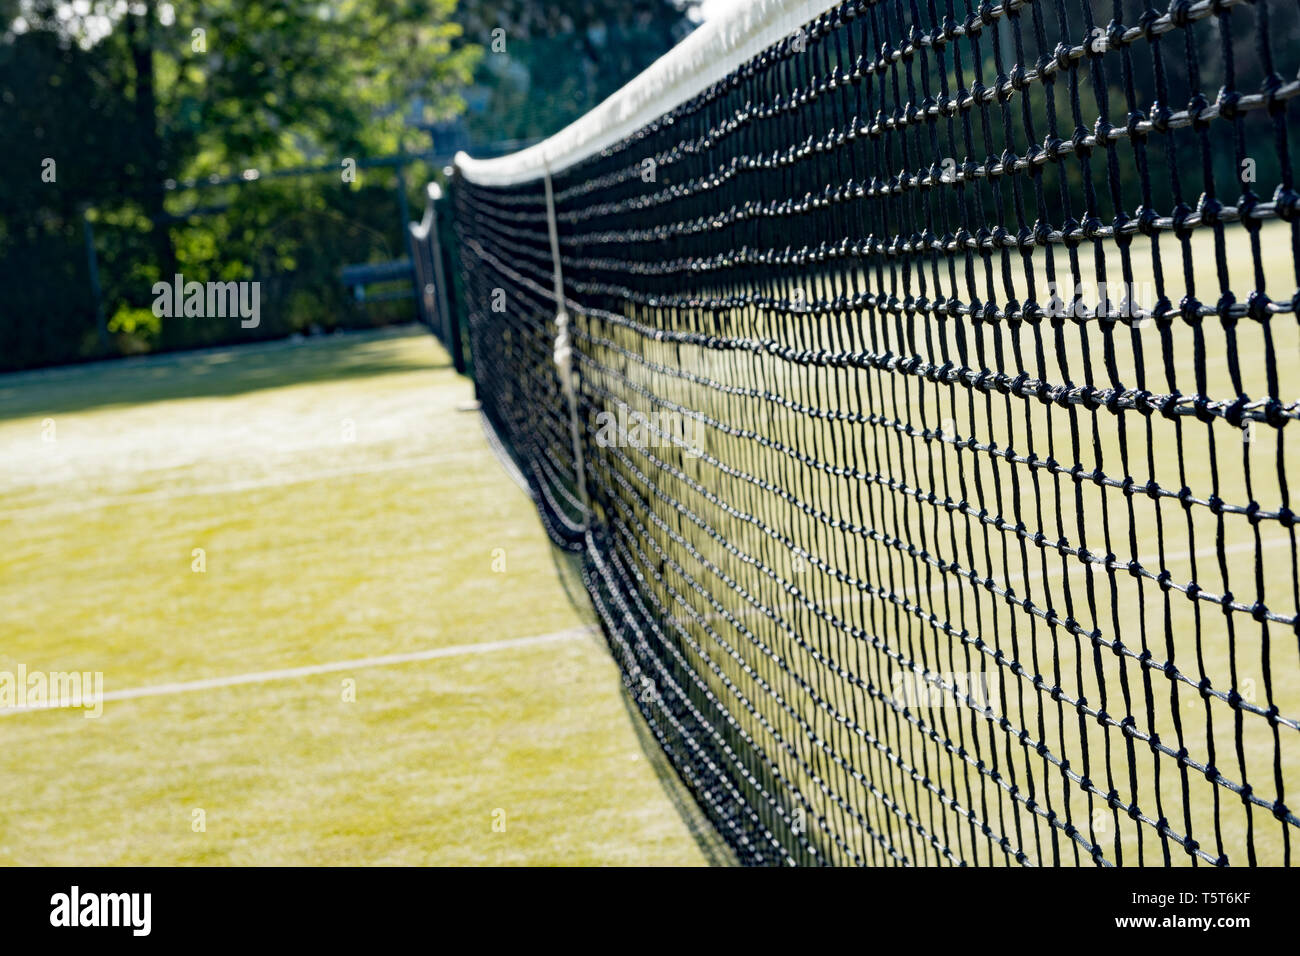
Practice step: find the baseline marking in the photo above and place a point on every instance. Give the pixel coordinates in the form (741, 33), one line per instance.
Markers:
(289, 673)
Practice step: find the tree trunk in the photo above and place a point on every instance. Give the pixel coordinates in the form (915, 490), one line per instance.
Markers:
(140, 34)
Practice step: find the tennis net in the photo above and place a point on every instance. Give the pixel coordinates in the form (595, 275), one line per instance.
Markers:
(908, 376)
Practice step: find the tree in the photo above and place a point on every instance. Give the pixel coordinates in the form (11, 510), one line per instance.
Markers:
(171, 91)
(545, 64)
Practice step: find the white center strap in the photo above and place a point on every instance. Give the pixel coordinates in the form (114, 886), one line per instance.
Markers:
(564, 351)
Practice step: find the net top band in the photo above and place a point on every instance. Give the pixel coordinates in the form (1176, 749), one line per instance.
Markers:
(708, 54)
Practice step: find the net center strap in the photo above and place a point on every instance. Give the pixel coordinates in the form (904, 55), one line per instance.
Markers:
(564, 351)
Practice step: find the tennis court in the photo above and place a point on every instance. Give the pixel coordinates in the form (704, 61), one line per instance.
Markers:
(878, 449)
(349, 514)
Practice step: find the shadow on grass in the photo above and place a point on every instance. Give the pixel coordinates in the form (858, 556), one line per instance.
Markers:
(706, 837)
(568, 569)
(209, 373)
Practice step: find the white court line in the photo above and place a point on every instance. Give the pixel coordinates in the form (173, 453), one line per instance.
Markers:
(289, 673)
(251, 484)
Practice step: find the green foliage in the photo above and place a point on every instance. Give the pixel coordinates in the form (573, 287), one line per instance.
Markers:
(55, 106)
(559, 59)
(125, 101)
(287, 80)
(135, 330)
(134, 321)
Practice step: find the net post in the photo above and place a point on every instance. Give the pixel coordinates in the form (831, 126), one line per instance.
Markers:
(450, 326)
(564, 353)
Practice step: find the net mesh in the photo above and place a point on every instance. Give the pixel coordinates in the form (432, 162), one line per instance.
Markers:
(928, 387)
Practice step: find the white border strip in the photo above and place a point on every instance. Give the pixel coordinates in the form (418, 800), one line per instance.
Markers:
(708, 54)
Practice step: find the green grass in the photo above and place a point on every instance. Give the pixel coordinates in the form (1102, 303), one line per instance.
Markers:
(346, 509)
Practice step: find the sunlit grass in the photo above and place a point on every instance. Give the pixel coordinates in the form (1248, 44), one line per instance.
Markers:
(345, 509)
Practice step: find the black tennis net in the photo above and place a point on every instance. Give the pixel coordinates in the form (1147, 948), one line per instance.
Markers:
(926, 445)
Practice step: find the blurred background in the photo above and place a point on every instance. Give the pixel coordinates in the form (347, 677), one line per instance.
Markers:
(280, 142)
